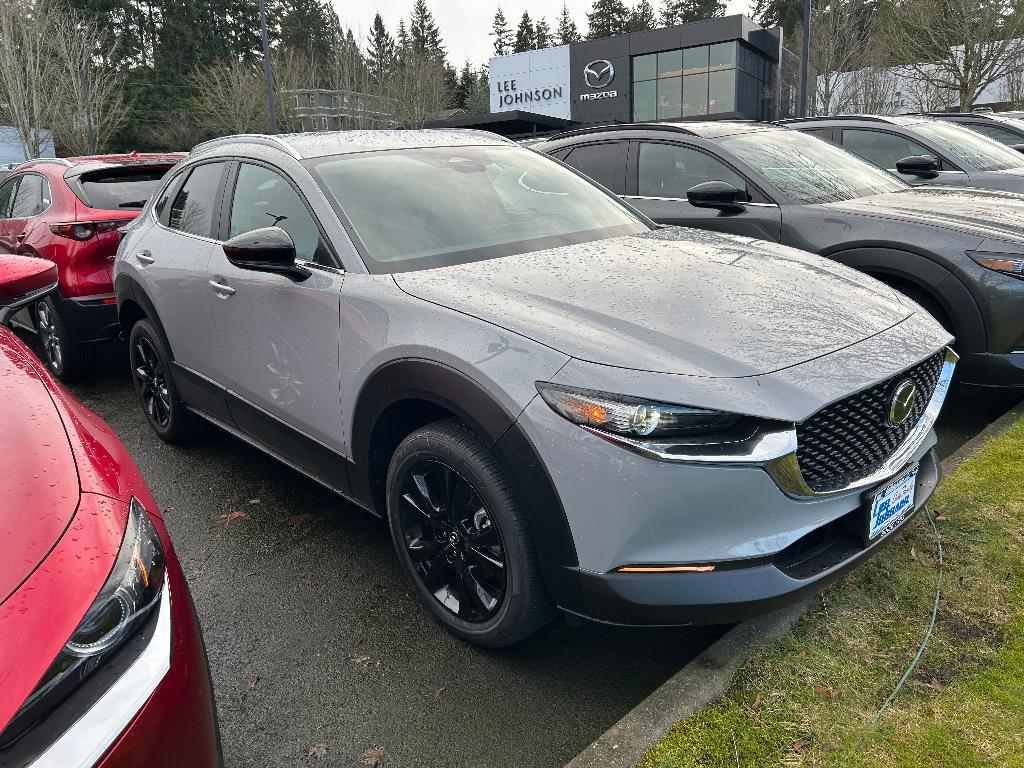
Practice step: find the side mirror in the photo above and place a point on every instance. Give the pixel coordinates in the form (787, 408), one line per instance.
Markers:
(719, 195)
(918, 165)
(269, 249)
(23, 280)
(1018, 147)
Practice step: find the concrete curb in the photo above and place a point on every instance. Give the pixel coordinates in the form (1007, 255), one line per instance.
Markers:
(707, 677)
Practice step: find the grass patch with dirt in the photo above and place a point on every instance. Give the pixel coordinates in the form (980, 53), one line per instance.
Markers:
(810, 699)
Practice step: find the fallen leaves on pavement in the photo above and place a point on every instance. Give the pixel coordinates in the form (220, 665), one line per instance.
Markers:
(373, 757)
(318, 751)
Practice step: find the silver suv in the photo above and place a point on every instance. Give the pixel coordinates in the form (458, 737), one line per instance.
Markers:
(553, 403)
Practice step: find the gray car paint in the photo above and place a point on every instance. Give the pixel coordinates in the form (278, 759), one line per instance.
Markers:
(785, 356)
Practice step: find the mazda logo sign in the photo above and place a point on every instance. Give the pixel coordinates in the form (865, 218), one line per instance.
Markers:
(599, 74)
(902, 401)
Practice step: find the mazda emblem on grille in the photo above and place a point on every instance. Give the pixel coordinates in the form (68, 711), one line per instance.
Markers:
(902, 401)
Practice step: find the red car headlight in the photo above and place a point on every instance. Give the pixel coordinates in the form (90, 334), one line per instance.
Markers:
(126, 601)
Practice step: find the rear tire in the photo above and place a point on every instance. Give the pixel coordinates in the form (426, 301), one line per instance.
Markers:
(154, 385)
(65, 358)
(462, 538)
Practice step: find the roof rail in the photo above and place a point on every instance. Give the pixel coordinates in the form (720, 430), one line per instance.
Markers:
(622, 127)
(872, 118)
(57, 160)
(252, 138)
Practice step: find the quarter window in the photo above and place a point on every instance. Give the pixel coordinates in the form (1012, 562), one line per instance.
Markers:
(882, 149)
(669, 170)
(599, 162)
(263, 198)
(997, 132)
(192, 210)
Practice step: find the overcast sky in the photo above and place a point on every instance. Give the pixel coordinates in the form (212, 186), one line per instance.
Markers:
(466, 24)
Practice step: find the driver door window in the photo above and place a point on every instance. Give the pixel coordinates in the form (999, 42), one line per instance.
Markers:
(7, 196)
(264, 198)
(882, 149)
(669, 170)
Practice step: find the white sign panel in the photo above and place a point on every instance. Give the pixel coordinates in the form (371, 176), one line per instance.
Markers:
(534, 81)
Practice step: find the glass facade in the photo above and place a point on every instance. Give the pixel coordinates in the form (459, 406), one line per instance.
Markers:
(701, 81)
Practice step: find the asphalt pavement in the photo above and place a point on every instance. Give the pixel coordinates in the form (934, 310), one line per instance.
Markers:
(321, 654)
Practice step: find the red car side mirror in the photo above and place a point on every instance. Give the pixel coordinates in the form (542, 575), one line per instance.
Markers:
(23, 279)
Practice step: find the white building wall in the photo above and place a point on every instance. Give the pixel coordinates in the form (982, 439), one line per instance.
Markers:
(533, 81)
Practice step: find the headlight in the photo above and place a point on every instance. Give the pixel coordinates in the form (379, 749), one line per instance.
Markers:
(1007, 263)
(127, 599)
(633, 417)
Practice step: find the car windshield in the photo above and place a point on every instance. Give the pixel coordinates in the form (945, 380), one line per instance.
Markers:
(421, 208)
(810, 170)
(983, 153)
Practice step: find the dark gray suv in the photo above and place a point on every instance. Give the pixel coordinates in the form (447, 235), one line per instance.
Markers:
(957, 252)
(552, 402)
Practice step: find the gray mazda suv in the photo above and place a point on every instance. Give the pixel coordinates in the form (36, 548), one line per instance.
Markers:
(553, 403)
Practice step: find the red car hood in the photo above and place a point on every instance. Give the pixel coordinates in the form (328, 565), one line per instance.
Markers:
(39, 488)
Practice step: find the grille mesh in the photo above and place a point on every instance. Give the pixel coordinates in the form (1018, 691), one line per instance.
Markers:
(850, 439)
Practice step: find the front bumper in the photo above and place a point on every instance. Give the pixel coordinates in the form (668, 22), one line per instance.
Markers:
(738, 590)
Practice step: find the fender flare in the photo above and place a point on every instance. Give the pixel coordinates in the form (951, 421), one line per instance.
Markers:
(126, 289)
(443, 386)
(931, 277)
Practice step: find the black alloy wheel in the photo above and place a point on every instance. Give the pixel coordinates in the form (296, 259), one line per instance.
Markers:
(455, 548)
(151, 382)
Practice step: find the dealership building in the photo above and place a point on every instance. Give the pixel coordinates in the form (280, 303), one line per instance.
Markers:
(715, 69)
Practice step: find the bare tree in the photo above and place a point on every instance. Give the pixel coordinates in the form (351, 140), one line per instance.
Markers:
(229, 98)
(1011, 87)
(419, 90)
(925, 96)
(28, 71)
(958, 45)
(839, 39)
(89, 94)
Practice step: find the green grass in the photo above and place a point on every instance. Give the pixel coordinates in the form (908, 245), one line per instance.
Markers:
(810, 698)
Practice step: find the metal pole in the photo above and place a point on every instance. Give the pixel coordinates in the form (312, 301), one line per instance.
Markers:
(266, 67)
(805, 61)
(84, 82)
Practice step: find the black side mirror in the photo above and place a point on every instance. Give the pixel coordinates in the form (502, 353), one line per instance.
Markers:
(719, 195)
(270, 249)
(918, 165)
(1018, 147)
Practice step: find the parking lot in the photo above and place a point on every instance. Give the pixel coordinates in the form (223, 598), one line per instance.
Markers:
(316, 642)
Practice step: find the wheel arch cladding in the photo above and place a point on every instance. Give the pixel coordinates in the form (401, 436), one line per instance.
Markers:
(133, 304)
(401, 396)
(936, 280)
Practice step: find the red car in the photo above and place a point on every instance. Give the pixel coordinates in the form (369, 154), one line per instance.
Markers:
(101, 657)
(68, 211)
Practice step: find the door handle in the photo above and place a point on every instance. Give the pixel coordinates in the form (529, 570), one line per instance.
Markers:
(227, 290)
(144, 257)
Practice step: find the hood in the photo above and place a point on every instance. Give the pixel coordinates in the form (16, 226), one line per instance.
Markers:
(673, 301)
(39, 488)
(980, 212)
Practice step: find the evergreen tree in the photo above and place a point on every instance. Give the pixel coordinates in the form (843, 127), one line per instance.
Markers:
(524, 35)
(788, 14)
(305, 26)
(566, 31)
(466, 85)
(402, 43)
(641, 17)
(683, 11)
(542, 34)
(424, 36)
(501, 33)
(607, 18)
(380, 52)
(480, 99)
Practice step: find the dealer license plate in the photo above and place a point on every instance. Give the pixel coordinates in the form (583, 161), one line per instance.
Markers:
(892, 504)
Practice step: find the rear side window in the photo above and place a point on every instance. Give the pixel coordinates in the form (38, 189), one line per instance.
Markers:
(192, 209)
(7, 196)
(600, 162)
(997, 132)
(882, 149)
(117, 189)
(32, 197)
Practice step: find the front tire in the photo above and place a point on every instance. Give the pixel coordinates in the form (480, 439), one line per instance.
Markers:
(65, 358)
(462, 539)
(154, 384)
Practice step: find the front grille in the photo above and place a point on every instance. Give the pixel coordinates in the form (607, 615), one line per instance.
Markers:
(848, 440)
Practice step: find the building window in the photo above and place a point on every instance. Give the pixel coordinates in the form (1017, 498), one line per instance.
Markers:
(700, 81)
